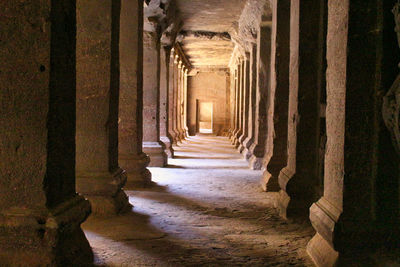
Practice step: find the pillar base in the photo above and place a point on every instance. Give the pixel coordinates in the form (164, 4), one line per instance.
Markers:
(321, 252)
(241, 143)
(246, 151)
(233, 137)
(323, 217)
(45, 237)
(168, 146)
(104, 191)
(240, 148)
(297, 204)
(158, 157)
(136, 168)
(269, 183)
(256, 163)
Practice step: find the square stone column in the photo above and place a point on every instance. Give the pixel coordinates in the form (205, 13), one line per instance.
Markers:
(246, 101)
(228, 109)
(152, 145)
(252, 99)
(40, 212)
(257, 149)
(235, 102)
(276, 156)
(359, 210)
(181, 103)
(99, 176)
(185, 102)
(232, 102)
(299, 180)
(171, 99)
(241, 76)
(165, 137)
(131, 157)
(177, 100)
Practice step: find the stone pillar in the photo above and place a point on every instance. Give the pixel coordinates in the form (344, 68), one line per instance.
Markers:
(241, 77)
(181, 100)
(252, 99)
(228, 110)
(276, 157)
(152, 145)
(99, 176)
(185, 102)
(359, 209)
(300, 177)
(40, 212)
(131, 156)
(171, 99)
(245, 101)
(257, 149)
(165, 137)
(235, 102)
(177, 99)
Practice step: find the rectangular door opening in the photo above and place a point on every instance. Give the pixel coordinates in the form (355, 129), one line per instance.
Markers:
(205, 117)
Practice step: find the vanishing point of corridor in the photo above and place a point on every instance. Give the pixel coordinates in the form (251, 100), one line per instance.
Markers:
(205, 209)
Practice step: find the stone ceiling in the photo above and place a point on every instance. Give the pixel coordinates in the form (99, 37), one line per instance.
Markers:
(206, 23)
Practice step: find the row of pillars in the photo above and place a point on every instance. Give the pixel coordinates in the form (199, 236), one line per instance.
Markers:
(307, 101)
(71, 121)
(165, 98)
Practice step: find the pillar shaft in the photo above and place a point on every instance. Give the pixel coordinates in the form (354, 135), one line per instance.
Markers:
(131, 156)
(359, 209)
(99, 176)
(245, 102)
(171, 99)
(235, 75)
(300, 178)
(276, 157)
(40, 213)
(262, 91)
(240, 96)
(165, 137)
(252, 99)
(237, 102)
(185, 103)
(176, 100)
(180, 102)
(152, 145)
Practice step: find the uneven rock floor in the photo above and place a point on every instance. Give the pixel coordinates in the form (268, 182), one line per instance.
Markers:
(205, 209)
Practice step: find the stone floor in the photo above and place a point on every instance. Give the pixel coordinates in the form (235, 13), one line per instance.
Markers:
(205, 209)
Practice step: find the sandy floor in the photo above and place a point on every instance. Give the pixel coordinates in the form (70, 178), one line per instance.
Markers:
(205, 209)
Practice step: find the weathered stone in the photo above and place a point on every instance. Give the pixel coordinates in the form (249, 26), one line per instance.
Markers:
(252, 107)
(245, 102)
(257, 149)
(299, 180)
(354, 215)
(97, 107)
(40, 212)
(131, 157)
(276, 155)
(207, 87)
(164, 114)
(152, 145)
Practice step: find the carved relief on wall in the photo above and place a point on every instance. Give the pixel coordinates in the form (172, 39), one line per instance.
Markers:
(391, 101)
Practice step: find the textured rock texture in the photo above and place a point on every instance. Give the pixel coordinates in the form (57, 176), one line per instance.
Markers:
(40, 213)
(208, 87)
(206, 210)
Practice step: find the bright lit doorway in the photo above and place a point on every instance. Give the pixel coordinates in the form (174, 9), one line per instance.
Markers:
(205, 117)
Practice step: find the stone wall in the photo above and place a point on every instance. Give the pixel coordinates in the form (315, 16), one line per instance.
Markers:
(210, 87)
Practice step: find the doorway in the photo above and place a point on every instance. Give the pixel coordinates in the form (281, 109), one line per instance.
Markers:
(205, 117)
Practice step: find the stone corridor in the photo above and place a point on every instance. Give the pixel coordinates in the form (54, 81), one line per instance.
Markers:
(205, 209)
